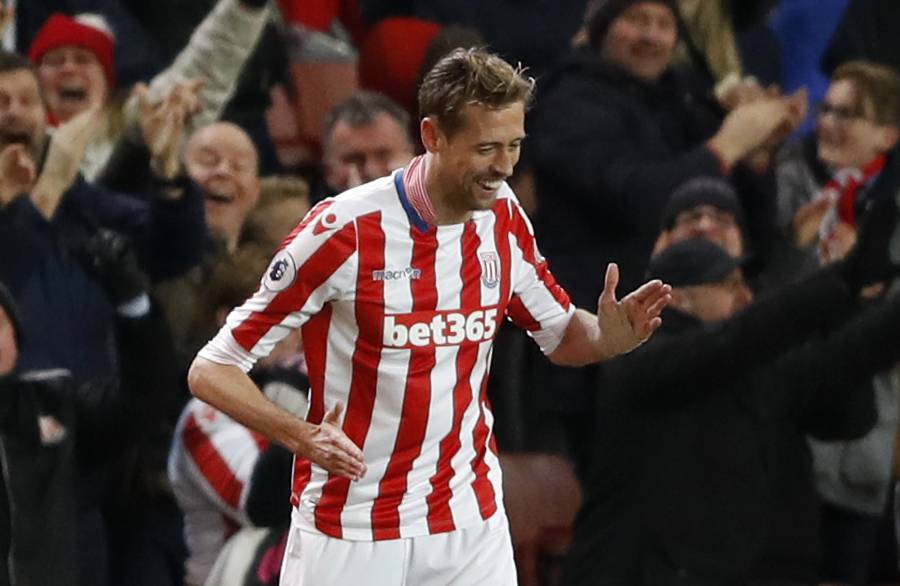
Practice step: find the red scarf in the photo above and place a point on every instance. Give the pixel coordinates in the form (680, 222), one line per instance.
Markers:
(848, 189)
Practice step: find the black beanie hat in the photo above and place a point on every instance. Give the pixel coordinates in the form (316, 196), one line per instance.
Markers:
(702, 191)
(9, 305)
(600, 14)
(696, 261)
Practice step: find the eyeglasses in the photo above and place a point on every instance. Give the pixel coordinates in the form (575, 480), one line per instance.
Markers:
(842, 114)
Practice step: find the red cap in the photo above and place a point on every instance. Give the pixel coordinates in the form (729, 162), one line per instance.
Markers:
(62, 30)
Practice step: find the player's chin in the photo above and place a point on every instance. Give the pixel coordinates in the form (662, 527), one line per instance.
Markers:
(484, 199)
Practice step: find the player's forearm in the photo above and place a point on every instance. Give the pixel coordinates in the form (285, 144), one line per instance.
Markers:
(582, 343)
(230, 390)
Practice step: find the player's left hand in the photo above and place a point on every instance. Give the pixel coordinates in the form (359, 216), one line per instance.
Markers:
(626, 324)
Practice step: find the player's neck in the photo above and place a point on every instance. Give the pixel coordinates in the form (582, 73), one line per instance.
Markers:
(440, 197)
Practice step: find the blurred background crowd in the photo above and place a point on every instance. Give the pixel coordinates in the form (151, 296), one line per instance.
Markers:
(153, 156)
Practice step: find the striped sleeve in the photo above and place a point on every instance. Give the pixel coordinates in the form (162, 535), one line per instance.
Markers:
(539, 305)
(315, 265)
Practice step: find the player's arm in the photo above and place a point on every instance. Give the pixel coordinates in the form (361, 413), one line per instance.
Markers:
(618, 327)
(230, 390)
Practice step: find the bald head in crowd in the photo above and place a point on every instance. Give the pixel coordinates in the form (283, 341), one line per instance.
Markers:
(222, 160)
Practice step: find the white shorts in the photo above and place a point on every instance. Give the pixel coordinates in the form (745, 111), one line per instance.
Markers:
(479, 555)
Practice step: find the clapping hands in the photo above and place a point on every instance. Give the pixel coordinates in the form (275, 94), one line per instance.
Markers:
(163, 123)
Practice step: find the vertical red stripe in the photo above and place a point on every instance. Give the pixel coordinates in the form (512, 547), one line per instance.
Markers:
(440, 517)
(369, 310)
(501, 243)
(315, 346)
(310, 276)
(416, 397)
(484, 490)
(211, 463)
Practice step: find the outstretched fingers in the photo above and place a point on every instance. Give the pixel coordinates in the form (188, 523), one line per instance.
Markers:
(608, 302)
(644, 306)
(657, 304)
(649, 291)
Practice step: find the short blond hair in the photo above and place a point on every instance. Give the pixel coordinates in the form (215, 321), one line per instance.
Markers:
(471, 76)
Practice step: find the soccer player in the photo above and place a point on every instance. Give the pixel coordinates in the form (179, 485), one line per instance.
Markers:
(399, 286)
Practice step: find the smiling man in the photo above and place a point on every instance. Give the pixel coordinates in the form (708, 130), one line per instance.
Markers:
(603, 177)
(22, 111)
(399, 286)
(222, 160)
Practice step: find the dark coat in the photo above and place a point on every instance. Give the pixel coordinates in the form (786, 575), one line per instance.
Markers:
(702, 472)
(47, 480)
(68, 315)
(606, 150)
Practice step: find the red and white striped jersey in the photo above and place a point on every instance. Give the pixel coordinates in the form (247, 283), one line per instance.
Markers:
(398, 320)
(210, 466)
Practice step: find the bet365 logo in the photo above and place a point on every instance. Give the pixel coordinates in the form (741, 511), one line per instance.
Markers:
(444, 329)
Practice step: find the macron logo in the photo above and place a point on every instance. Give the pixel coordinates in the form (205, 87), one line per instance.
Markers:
(409, 274)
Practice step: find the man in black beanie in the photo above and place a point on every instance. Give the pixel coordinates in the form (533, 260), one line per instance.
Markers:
(613, 133)
(600, 14)
(704, 207)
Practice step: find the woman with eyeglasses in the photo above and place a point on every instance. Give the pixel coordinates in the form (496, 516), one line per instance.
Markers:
(825, 182)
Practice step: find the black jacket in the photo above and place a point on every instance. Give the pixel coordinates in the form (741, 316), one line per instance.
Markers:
(701, 472)
(607, 150)
(69, 316)
(47, 476)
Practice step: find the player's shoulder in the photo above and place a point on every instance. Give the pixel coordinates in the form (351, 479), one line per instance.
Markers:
(364, 199)
(331, 216)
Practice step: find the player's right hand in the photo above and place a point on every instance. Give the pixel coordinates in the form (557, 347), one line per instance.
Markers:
(329, 447)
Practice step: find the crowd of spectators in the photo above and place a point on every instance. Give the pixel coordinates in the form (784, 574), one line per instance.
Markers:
(155, 155)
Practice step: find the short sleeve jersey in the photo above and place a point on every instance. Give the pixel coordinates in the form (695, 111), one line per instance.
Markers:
(398, 320)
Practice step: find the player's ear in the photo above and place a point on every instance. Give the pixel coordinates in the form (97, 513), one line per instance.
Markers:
(432, 137)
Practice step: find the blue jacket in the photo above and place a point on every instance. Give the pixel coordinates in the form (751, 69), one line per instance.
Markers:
(68, 315)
